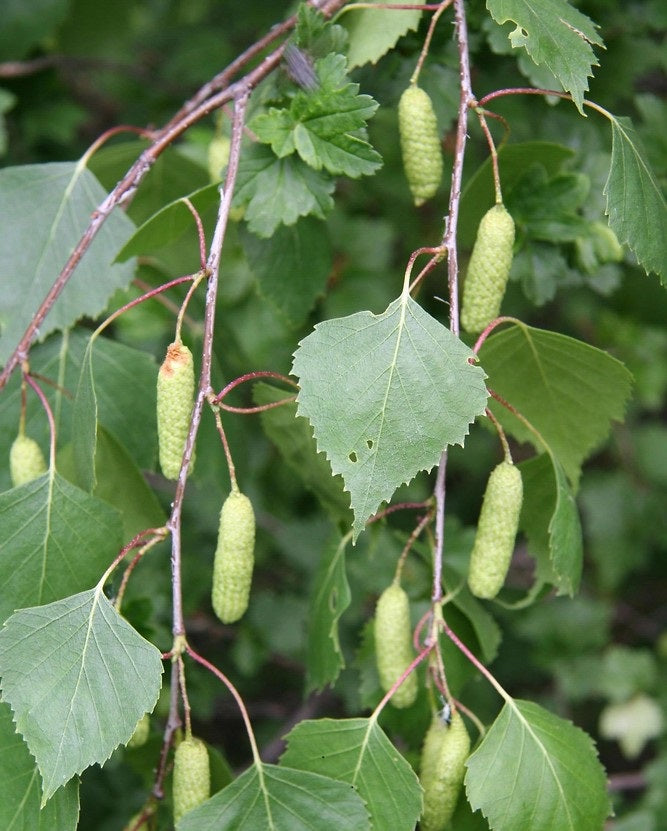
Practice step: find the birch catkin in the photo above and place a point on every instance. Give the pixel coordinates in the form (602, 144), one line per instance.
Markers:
(420, 143)
(175, 395)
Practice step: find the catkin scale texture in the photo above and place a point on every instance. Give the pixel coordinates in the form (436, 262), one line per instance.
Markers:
(192, 777)
(175, 391)
(420, 143)
(445, 750)
(26, 460)
(496, 530)
(488, 269)
(393, 644)
(234, 558)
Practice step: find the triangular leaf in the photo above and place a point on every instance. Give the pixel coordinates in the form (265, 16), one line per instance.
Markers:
(373, 32)
(280, 799)
(386, 394)
(47, 208)
(357, 751)
(22, 791)
(535, 770)
(54, 539)
(78, 678)
(329, 598)
(569, 391)
(554, 34)
(635, 203)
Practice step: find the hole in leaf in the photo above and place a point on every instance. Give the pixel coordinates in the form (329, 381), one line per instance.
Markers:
(369, 444)
(352, 457)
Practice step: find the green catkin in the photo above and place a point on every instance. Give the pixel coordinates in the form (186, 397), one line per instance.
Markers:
(393, 644)
(26, 460)
(420, 143)
(175, 391)
(141, 731)
(488, 270)
(234, 558)
(496, 531)
(446, 748)
(192, 777)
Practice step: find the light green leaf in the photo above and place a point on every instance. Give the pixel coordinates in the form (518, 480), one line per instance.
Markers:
(118, 482)
(292, 266)
(54, 539)
(569, 391)
(535, 770)
(279, 191)
(358, 752)
(373, 32)
(279, 799)
(386, 394)
(22, 791)
(48, 207)
(78, 678)
(322, 125)
(635, 203)
(293, 436)
(121, 383)
(555, 34)
(329, 598)
(168, 224)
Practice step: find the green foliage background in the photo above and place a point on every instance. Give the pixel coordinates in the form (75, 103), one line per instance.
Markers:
(133, 62)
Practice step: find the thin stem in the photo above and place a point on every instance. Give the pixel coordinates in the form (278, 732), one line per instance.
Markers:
(260, 408)
(184, 692)
(494, 155)
(200, 232)
(399, 506)
(203, 391)
(491, 326)
(427, 40)
(253, 376)
(466, 100)
(171, 726)
(49, 414)
(228, 453)
(415, 663)
(474, 661)
(423, 522)
(237, 697)
(501, 435)
(186, 300)
(158, 535)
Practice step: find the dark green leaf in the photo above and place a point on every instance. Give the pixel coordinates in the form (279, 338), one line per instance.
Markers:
(635, 203)
(555, 34)
(322, 125)
(279, 191)
(329, 598)
(292, 266)
(569, 391)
